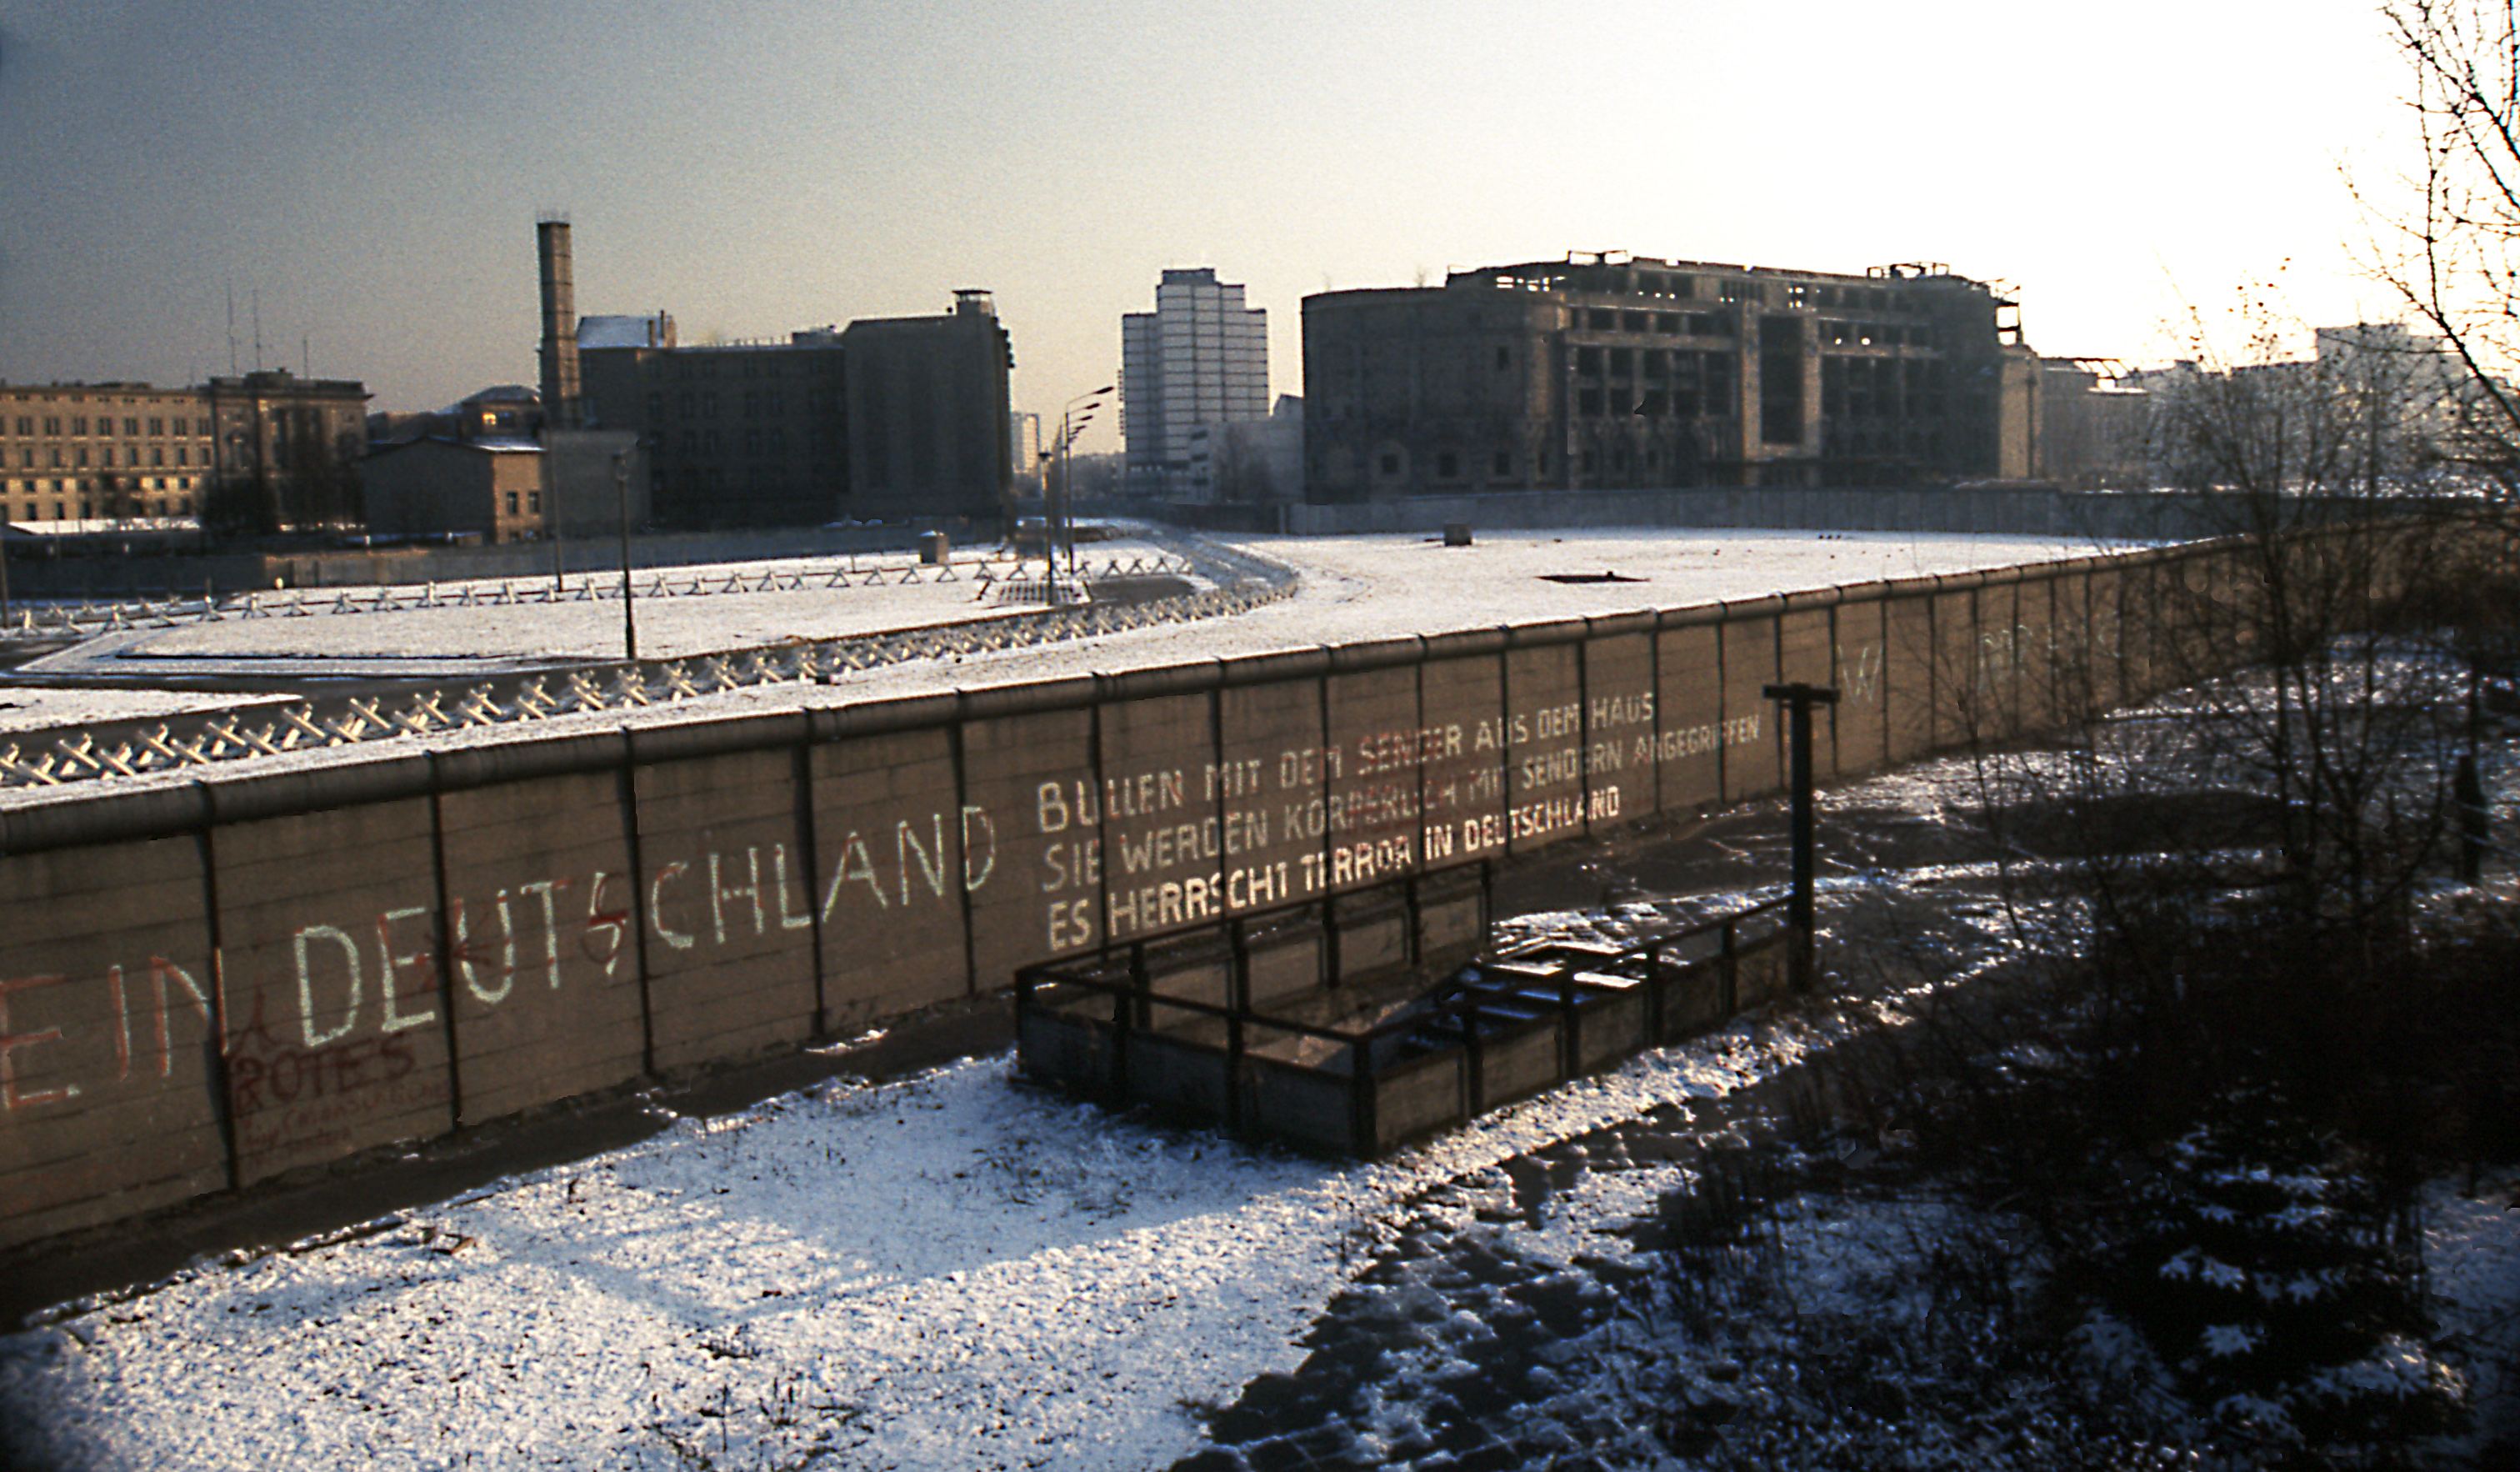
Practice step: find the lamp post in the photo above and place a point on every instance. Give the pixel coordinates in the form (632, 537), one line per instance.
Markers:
(621, 489)
(1070, 425)
(551, 523)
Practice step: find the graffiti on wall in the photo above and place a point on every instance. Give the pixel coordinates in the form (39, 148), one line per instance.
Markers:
(334, 1023)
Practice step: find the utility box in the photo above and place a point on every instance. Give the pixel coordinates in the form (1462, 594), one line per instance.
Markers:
(1457, 533)
(934, 549)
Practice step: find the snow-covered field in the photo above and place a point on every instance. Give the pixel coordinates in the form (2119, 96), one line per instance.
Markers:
(952, 1270)
(1360, 588)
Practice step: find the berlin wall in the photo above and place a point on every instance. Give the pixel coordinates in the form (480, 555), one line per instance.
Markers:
(205, 986)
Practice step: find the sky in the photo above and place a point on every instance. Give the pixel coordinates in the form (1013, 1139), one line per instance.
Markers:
(366, 178)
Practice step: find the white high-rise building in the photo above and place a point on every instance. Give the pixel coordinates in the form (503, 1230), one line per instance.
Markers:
(1201, 357)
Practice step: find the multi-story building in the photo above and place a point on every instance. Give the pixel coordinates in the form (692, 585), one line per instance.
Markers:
(1610, 371)
(265, 450)
(888, 418)
(928, 433)
(738, 434)
(1201, 357)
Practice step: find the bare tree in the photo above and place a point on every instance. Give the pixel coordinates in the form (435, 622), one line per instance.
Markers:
(2451, 252)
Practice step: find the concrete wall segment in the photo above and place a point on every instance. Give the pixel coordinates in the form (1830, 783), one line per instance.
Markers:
(314, 789)
(896, 851)
(331, 980)
(1538, 635)
(724, 888)
(83, 820)
(1277, 665)
(1155, 680)
(459, 769)
(882, 718)
(1635, 621)
(1384, 654)
(109, 1103)
(685, 741)
(1463, 643)
(1074, 692)
(542, 971)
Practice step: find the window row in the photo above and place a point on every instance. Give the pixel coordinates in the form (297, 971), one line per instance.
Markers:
(1666, 324)
(77, 457)
(84, 509)
(159, 426)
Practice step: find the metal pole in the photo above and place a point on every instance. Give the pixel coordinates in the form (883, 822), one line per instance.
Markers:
(629, 621)
(1058, 534)
(1800, 908)
(550, 519)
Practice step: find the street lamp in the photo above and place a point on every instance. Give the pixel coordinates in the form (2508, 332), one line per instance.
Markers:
(1070, 425)
(622, 488)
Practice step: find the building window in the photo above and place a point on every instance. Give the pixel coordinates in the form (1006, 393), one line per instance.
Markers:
(1448, 465)
(511, 504)
(1504, 357)
(534, 502)
(1390, 463)
(158, 426)
(78, 426)
(1504, 463)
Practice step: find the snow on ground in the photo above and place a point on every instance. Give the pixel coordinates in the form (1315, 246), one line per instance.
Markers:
(950, 1270)
(1353, 588)
(313, 630)
(30, 708)
(1356, 587)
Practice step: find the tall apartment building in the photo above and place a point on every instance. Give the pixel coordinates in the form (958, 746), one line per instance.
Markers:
(262, 450)
(1201, 357)
(1618, 372)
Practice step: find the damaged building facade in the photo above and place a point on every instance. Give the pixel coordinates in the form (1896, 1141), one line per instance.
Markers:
(1611, 372)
